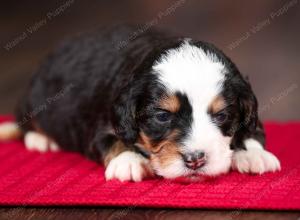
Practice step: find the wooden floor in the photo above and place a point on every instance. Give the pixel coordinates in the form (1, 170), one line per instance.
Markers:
(270, 56)
(151, 214)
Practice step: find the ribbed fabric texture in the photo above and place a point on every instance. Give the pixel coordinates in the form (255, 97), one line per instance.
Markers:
(32, 178)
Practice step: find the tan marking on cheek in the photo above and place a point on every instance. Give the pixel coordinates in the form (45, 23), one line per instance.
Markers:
(145, 141)
(167, 155)
(117, 148)
(170, 103)
(217, 104)
(173, 134)
(163, 153)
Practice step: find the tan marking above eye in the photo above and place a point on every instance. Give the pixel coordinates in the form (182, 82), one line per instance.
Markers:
(217, 104)
(170, 103)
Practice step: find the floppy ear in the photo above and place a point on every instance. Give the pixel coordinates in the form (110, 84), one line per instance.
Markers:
(248, 118)
(248, 111)
(124, 113)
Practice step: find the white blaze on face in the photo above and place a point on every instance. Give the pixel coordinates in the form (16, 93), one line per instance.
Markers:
(198, 75)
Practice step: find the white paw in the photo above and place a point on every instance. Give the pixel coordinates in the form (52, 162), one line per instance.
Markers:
(53, 146)
(255, 160)
(37, 142)
(128, 166)
(9, 131)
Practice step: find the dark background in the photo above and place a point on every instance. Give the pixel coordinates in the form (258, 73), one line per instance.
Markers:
(270, 57)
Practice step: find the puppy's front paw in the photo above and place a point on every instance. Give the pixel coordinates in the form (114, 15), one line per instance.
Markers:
(128, 166)
(255, 160)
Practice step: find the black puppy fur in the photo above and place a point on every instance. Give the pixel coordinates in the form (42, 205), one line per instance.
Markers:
(110, 89)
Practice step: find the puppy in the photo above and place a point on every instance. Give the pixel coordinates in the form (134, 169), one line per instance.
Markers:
(156, 104)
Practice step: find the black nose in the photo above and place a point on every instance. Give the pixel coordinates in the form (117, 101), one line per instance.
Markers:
(194, 160)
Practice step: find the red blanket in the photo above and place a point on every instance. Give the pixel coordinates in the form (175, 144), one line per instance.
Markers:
(32, 178)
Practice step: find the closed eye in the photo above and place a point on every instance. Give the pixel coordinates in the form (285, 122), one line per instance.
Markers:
(220, 117)
(163, 116)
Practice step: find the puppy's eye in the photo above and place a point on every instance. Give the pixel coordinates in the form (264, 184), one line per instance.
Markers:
(163, 116)
(220, 117)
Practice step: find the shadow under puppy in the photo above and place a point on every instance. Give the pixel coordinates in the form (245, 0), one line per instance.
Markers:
(155, 104)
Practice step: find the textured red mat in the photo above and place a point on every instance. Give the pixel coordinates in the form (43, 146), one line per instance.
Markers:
(31, 178)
